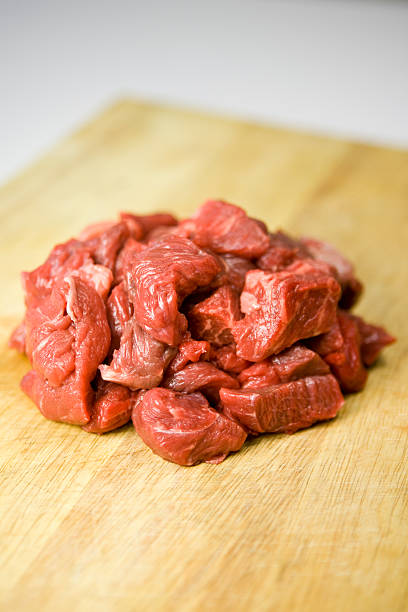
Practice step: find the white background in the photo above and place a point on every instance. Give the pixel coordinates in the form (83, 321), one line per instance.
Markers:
(336, 66)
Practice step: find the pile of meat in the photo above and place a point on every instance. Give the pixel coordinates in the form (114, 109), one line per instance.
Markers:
(202, 331)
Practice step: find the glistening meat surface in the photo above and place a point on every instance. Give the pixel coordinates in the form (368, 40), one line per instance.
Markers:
(203, 330)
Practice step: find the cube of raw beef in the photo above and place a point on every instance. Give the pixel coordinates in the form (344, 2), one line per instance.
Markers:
(201, 376)
(131, 245)
(233, 272)
(105, 247)
(344, 269)
(291, 364)
(160, 277)
(97, 276)
(140, 360)
(284, 307)
(226, 228)
(148, 223)
(286, 407)
(346, 363)
(68, 336)
(63, 259)
(226, 358)
(111, 409)
(184, 428)
(282, 252)
(189, 351)
(213, 318)
(373, 340)
(328, 342)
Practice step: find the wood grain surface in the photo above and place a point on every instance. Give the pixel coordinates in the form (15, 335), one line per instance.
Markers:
(313, 521)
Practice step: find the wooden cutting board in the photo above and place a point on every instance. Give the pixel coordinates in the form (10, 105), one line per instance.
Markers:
(313, 521)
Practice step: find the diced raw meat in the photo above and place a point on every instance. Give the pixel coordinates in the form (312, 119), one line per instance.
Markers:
(233, 272)
(291, 364)
(140, 360)
(286, 407)
(226, 228)
(131, 246)
(105, 247)
(17, 338)
(346, 363)
(65, 350)
(149, 222)
(226, 358)
(63, 259)
(119, 311)
(213, 318)
(351, 286)
(158, 280)
(98, 277)
(328, 342)
(284, 307)
(373, 340)
(111, 409)
(184, 428)
(189, 351)
(201, 376)
(282, 252)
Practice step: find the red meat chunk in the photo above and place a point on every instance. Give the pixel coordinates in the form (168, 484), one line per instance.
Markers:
(284, 307)
(346, 363)
(158, 280)
(201, 376)
(213, 318)
(373, 340)
(184, 428)
(344, 270)
(282, 252)
(105, 247)
(291, 364)
(63, 259)
(233, 272)
(67, 337)
(286, 407)
(328, 342)
(226, 358)
(226, 228)
(140, 360)
(131, 246)
(111, 408)
(189, 351)
(148, 223)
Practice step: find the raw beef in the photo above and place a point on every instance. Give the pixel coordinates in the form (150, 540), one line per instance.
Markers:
(291, 364)
(158, 280)
(343, 268)
(286, 407)
(346, 362)
(67, 338)
(111, 408)
(183, 428)
(140, 360)
(213, 318)
(201, 376)
(225, 228)
(373, 340)
(283, 251)
(284, 307)
(189, 351)
(226, 358)
(203, 330)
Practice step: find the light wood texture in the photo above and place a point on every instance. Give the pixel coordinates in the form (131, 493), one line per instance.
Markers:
(313, 521)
